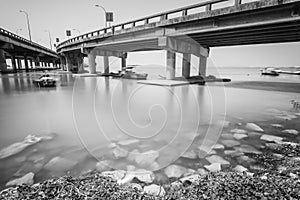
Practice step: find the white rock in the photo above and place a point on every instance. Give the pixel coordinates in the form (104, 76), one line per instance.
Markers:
(155, 190)
(240, 168)
(192, 178)
(240, 131)
(230, 143)
(146, 158)
(60, 164)
(218, 146)
(126, 179)
(277, 125)
(290, 131)
(202, 171)
(189, 154)
(271, 138)
(175, 171)
(128, 142)
(144, 175)
(213, 167)
(254, 127)
(239, 136)
(227, 136)
(217, 159)
(26, 179)
(103, 165)
(117, 175)
(247, 149)
(112, 145)
(119, 152)
(233, 153)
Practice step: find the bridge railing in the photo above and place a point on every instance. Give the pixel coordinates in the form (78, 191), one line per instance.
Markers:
(17, 37)
(105, 32)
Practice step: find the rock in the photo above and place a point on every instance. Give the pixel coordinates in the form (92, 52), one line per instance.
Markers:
(218, 146)
(128, 142)
(112, 145)
(175, 171)
(244, 159)
(154, 190)
(154, 166)
(60, 164)
(176, 184)
(189, 154)
(117, 175)
(146, 158)
(19, 146)
(254, 134)
(217, 159)
(104, 165)
(240, 168)
(290, 131)
(227, 136)
(144, 175)
(119, 152)
(277, 155)
(271, 138)
(247, 149)
(132, 155)
(26, 179)
(192, 178)
(230, 143)
(277, 125)
(202, 171)
(214, 167)
(212, 152)
(189, 172)
(254, 127)
(126, 179)
(233, 153)
(263, 177)
(294, 176)
(135, 186)
(239, 136)
(239, 131)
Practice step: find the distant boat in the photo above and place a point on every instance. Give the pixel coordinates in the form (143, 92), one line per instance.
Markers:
(269, 72)
(128, 73)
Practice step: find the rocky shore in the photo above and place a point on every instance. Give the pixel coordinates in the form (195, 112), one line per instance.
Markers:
(276, 176)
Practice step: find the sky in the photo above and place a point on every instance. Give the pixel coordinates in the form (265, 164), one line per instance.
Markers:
(81, 16)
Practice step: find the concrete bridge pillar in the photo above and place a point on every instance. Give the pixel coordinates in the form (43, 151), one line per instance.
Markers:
(92, 62)
(171, 63)
(19, 63)
(202, 65)
(68, 63)
(123, 61)
(13, 63)
(62, 62)
(37, 62)
(79, 60)
(3, 65)
(186, 65)
(26, 64)
(106, 64)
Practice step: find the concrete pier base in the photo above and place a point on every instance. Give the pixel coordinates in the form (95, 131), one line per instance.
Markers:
(171, 62)
(186, 65)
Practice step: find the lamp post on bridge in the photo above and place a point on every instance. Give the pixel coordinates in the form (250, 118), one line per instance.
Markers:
(104, 13)
(49, 38)
(28, 25)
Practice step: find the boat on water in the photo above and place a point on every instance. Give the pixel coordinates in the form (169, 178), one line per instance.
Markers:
(128, 73)
(290, 72)
(45, 81)
(270, 72)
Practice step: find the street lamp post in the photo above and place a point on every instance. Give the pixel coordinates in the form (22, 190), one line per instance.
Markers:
(104, 13)
(28, 25)
(49, 38)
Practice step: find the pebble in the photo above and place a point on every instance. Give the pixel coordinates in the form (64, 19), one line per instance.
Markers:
(192, 178)
(271, 138)
(230, 143)
(155, 190)
(117, 175)
(290, 131)
(244, 159)
(254, 127)
(202, 171)
(26, 179)
(214, 167)
(175, 171)
(239, 136)
(135, 186)
(233, 153)
(217, 159)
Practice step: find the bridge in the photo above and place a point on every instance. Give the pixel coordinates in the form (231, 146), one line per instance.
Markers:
(191, 30)
(16, 48)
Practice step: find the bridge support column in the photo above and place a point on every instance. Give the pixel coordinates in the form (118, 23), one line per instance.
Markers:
(13, 63)
(19, 63)
(68, 63)
(3, 65)
(92, 62)
(106, 64)
(79, 60)
(186, 65)
(202, 65)
(26, 63)
(171, 63)
(123, 61)
(37, 62)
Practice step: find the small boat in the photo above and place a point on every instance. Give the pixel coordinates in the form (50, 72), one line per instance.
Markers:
(269, 72)
(45, 81)
(128, 73)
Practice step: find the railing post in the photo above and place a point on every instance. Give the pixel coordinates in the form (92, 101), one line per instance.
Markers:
(208, 8)
(238, 2)
(163, 17)
(147, 21)
(184, 13)
(133, 24)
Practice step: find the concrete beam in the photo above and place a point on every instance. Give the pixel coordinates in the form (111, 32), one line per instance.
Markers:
(171, 63)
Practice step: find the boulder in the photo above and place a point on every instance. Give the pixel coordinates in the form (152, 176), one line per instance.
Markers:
(239, 136)
(60, 164)
(254, 127)
(217, 159)
(26, 179)
(214, 167)
(290, 131)
(191, 178)
(231, 143)
(154, 190)
(175, 171)
(271, 138)
(117, 175)
(119, 152)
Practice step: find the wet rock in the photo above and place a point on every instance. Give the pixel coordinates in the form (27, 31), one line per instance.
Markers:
(26, 179)
(271, 138)
(277, 125)
(247, 149)
(117, 175)
(214, 167)
(154, 190)
(135, 186)
(192, 178)
(175, 171)
(230, 143)
(202, 171)
(104, 165)
(190, 154)
(60, 164)
(119, 152)
(217, 159)
(244, 159)
(144, 175)
(240, 168)
(218, 146)
(239, 131)
(128, 142)
(233, 153)
(239, 136)
(254, 127)
(290, 131)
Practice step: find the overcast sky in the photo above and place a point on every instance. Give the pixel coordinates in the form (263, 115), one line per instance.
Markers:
(59, 15)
